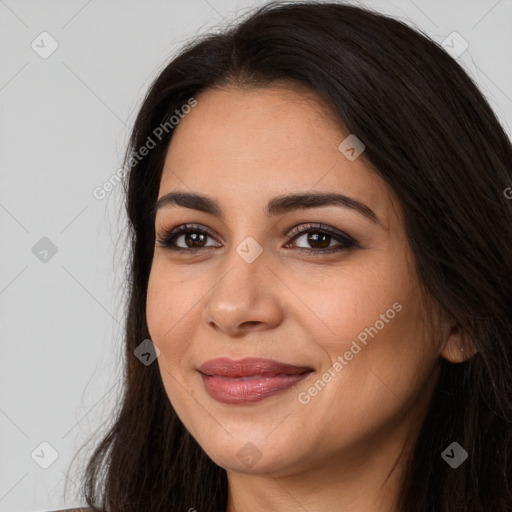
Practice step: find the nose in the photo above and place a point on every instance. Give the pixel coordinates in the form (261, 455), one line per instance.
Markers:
(245, 297)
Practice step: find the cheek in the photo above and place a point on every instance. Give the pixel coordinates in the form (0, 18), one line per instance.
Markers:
(169, 312)
(173, 313)
(158, 300)
(376, 324)
(169, 302)
(348, 300)
(375, 383)
(387, 360)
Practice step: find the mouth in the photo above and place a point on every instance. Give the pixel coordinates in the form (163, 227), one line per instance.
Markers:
(249, 380)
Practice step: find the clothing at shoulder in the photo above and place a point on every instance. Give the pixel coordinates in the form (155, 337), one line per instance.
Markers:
(75, 510)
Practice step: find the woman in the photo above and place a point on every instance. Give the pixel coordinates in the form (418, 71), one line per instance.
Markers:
(320, 313)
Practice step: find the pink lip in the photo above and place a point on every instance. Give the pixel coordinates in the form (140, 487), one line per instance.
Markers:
(248, 380)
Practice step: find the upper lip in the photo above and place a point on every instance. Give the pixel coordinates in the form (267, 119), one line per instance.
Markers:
(225, 367)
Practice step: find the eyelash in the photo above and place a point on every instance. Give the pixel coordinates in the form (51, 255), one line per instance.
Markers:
(346, 241)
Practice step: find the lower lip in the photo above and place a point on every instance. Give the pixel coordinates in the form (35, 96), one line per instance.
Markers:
(239, 392)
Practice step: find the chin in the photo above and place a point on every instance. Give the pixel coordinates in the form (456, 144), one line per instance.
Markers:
(254, 454)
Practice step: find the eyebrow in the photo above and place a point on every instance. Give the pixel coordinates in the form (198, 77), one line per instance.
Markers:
(276, 206)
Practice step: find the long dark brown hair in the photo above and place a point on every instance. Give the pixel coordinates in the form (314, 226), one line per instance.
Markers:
(433, 137)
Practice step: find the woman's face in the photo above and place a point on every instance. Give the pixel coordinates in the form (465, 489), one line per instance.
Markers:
(266, 281)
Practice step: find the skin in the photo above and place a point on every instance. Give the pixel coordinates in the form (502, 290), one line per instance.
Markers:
(345, 448)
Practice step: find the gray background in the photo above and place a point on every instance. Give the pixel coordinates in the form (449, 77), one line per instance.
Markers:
(64, 125)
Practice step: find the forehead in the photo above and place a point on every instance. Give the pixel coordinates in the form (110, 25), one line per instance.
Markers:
(256, 123)
(242, 144)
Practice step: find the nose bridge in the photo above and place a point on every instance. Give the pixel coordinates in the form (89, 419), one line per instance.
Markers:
(249, 250)
(246, 264)
(246, 242)
(243, 292)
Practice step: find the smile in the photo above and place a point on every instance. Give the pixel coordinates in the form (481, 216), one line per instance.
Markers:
(249, 380)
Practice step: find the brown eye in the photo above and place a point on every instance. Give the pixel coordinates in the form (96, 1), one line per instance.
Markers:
(185, 238)
(319, 238)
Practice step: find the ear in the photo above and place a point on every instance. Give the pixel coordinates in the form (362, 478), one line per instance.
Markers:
(456, 347)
